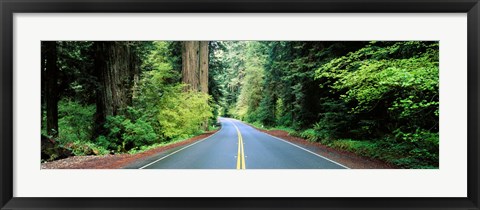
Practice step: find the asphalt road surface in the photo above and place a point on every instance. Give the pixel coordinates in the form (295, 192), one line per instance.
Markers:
(239, 146)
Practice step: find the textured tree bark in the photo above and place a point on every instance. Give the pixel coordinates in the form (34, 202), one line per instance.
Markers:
(51, 93)
(195, 67)
(135, 63)
(190, 64)
(43, 80)
(203, 70)
(115, 72)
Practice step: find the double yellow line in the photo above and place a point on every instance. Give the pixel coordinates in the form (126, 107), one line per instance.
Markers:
(241, 153)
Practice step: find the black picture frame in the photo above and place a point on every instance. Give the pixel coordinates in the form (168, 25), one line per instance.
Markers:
(9, 7)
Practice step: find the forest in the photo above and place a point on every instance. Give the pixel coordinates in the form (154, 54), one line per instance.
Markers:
(378, 99)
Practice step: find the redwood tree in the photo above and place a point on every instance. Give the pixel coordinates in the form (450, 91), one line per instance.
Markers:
(51, 93)
(195, 65)
(116, 67)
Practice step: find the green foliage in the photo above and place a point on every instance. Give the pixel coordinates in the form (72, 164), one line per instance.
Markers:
(181, 114)
(266, 112)
(396, 85)
(388, 88)
(406, 150)
(376, 93)
(161, 110)
(171, 112)
(77, 80)
(75, 126)
(377, 99)
(311, 135)
(217, 66)
(81, 148)
(364, 148)
(155, 82)
(75, 121)
(251, 92)
(335, 121)
(125, 134)
(279, 112)
(422, 148)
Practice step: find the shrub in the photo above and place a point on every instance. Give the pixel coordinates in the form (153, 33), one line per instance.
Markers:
(311, 135)
(182, 114)
(75, 122)
(335, 122)
(406, 150)
(364, 148)
(75, 127)
(80, 148)
(138, 133)
(124, 134)
(420, 149)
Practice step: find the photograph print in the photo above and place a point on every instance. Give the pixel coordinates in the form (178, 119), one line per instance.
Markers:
(239, 105)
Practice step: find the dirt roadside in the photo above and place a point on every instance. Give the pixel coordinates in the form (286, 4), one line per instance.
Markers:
(115, 161)
(345, 158)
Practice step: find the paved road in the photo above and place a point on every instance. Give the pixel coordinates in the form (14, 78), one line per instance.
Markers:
(239, 146)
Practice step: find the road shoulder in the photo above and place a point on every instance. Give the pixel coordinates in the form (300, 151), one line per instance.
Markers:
(346, 158)
(119, 161)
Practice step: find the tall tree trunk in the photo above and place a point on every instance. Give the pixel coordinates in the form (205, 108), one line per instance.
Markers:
(195, 67)
(135, 63)
(115, 76)
(203, 69)
(203, 72)
(51, 93)
(190, 64)
(43, 82)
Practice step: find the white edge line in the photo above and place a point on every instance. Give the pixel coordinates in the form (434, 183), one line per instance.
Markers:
(300, 147)
(179, 150)
(308, 151)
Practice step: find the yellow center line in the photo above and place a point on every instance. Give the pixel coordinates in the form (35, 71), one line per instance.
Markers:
(240, 153)
(243, 154)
